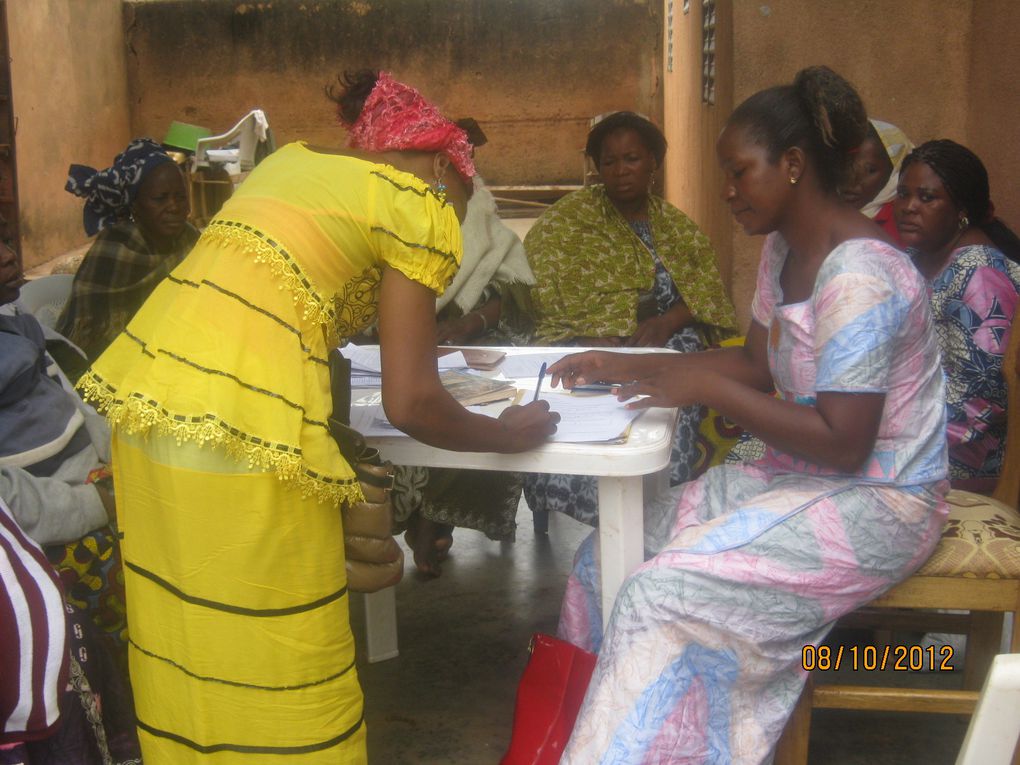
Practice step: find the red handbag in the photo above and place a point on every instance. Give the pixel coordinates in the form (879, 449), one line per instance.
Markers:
(548, 699)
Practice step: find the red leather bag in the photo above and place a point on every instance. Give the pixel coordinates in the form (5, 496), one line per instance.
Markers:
(548, 699)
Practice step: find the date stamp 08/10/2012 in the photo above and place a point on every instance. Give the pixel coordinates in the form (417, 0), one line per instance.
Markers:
(870, 658)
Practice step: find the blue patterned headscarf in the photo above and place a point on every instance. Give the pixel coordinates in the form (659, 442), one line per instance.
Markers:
(109, 193)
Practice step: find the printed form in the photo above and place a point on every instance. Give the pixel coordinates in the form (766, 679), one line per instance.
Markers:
(583, 419)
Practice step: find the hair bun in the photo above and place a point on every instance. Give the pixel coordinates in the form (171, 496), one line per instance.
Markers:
(349, 93)
(834, 106)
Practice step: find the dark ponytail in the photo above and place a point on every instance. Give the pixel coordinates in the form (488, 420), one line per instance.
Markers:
(966, 180)
(349, 93)
(820, 112)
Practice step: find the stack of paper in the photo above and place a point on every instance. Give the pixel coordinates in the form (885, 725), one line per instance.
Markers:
(366, 364)
(470, 389)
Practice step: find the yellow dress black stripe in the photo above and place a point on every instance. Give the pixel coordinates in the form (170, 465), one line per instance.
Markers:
(228, 482)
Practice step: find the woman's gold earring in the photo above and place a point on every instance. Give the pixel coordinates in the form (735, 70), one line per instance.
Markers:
(793, 181)
(964, 222)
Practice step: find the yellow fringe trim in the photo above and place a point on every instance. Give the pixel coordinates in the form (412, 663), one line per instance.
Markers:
(314, 308)
(136, 416)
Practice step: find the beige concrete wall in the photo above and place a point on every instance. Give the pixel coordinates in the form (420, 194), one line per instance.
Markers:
(693, 181)
(531, 71)
(993, 99)
(69, 89)
(910, 60)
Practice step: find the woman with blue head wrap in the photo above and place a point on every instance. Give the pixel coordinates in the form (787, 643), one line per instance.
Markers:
(139, 209)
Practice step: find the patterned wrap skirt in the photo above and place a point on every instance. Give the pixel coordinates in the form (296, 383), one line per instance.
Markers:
(702, 658)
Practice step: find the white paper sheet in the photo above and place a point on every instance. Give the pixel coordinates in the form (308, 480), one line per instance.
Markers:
(370, 420)
(590, 419)
(360, 380)
(528, 364)
(366, 359)
(583, 419)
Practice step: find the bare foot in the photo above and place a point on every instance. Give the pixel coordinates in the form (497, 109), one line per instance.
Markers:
(430, 542)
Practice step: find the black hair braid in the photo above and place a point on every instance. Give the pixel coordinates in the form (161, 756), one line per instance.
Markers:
(350, 91)
(839, 118)
(821, 113)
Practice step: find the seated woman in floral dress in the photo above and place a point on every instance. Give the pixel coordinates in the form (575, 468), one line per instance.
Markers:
(970, 259)
(701, 658)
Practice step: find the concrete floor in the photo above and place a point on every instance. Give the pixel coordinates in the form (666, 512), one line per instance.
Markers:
(448, 698)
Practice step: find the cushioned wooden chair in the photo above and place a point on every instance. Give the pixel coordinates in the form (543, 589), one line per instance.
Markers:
(975, 568)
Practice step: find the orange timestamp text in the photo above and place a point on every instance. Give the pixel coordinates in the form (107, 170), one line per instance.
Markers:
(870, 658)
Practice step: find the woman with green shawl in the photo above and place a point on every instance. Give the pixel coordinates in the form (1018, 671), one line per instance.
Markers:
(615, 265)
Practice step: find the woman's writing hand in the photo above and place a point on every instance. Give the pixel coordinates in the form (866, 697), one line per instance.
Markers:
(528, 426)
(652, 333)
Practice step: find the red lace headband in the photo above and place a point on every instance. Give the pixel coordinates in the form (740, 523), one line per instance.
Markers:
(396, 117)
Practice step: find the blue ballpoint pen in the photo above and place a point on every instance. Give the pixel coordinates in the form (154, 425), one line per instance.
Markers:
(541, 376)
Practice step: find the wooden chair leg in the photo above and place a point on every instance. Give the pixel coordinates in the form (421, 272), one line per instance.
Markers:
(792, 747)
(983, 643)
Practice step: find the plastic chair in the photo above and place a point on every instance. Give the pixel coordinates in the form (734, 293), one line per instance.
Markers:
(45, 297)
(221, 161)
(252, 130)
(995, 727)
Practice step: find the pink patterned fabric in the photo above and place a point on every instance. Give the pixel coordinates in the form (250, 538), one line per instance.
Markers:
(701, 659)
(396, 117)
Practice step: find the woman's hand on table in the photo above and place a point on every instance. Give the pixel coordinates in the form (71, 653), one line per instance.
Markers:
(528, 426)
(591, 367)
(667, 388)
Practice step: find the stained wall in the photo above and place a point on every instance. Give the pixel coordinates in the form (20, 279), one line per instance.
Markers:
(910, 61)
(532, 72)
(936, 68)
(993, 101)
(69, 92)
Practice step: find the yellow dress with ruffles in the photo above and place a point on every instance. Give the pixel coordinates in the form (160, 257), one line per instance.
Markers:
(228, 483)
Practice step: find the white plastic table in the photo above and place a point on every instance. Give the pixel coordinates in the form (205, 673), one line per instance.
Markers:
(621, 469)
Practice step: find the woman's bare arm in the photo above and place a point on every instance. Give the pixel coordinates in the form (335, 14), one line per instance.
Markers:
(748, 364)
(413, 397)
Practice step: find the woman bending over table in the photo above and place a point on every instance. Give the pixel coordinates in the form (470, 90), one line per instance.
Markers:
(701, 659)
(487, 303)
(970, 260)
(228, 482)
(617, 265)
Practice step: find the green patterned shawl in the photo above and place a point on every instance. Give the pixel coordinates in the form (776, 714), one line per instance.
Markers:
(590, 268)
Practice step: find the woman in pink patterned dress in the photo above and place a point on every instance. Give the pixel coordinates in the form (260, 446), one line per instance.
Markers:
(970, 258)
(701, 659)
